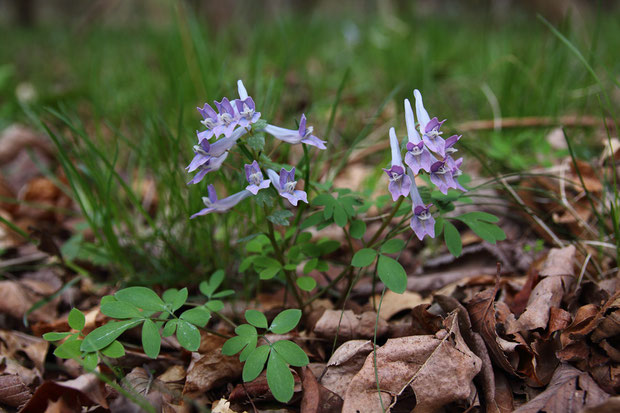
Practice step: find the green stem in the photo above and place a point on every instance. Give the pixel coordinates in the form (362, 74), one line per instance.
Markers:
(386, 221)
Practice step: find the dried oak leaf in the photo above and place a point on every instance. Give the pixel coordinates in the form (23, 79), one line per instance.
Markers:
(570, 390)
(210, 370)
(419, 363)
(316, 398)
(346, 361)
(348, 325)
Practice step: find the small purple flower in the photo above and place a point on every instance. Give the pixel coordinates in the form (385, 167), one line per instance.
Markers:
(285, 184)
(417, 156)
(422, 222)
(243, 94)
(255, 178)
(399, 181)
(429, 128)
(247, 111)
(302, 135)
(450, 142)
(210, 120)
(441, 176)
(213, 163)
(220, 205)
(227, 117)
(456, 172)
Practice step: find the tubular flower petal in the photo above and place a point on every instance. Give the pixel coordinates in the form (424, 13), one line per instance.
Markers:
(399, 181)
(220, 205)
(441, 176)
(285, 184)
(255, 178)
(213, 163)
(422, 222)
(228, 118)
(302, 135)
(210, 121)
(246, 110)
(243, 94)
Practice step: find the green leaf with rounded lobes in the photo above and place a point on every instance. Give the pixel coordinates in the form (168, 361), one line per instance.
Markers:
(245, 330)
(151, 340)
(141, 297)
(268, 273)
(279, 378)
(452, 237)
(340, 216)
(310, 265)
(114, 350)
(245, 353)
(291, 353)
(169, 328)
(357, 229)
(188, 335)
(90, 361)
(234, 345)
(392, 246)
(70, 349)
(76, 319)
(176, 298)
(198, 316)
(285, 321)
(102, 336)
(256, 318)
(214, 305)
(222, 294)
(121, 310)
(364, 257)
(311, 221)
(306, 283)
(255, 363)
(392, 274)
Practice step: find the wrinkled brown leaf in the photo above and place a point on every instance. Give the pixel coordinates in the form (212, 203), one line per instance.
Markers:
(394, 303)
(210, 370)
(420, 362)
(316, 398)
(16, 298)
(86, 390)
(352, 326)
(569, 391)
(13, 391)
(346, 361)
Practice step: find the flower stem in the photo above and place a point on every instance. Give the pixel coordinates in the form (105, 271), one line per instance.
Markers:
(386, 221)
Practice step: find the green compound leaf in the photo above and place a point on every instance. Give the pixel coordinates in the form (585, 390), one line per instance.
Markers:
(214, 305)
(281, 217)
(312, 221)
(256, 141)
(364, 257)
(76, 319)
(245, 353)
(90, 361)
(141, 297)
(478, 216)
(198, 316)
(70, 349)
(255, 363)
(340, 216)
(291, 353)
(256, 318)
(176, 298)
(102, 337)
(268, 273)
(285, 321)
(245, 330)
(188, 335)
(151, 340)
(55, 336)
(392, 274)
(120, 310)
(279, 378)
(393, 246)
(209, 287)
(169, 328)
(306, 283)
(357, 229)
(453, 239)
(114, 350)
(264, 198)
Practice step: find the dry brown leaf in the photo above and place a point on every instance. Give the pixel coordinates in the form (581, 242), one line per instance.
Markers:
(419, 362)
(16, 298)
(210, 370)
(346, 361)
(316, 398)
(173, 374)
(222, 406)
(14, 345)
(611, 405)
(86, 390)
(610, 324)
(352, 326)
(585, 321)
(558, 320)
(13, 390)
(504, 399)
(394, 303)
(559, 262)
(570, 390)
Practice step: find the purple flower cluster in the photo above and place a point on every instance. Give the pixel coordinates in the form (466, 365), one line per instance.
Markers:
(232, 120)
(426, 152)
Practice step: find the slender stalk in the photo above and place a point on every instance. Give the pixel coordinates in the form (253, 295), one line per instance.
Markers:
(386, 221)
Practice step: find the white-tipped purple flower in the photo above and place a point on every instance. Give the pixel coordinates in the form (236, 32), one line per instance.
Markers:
(228, 118)
(247, 111)
(213, 163)
(243, 94)
(441, 176)
(429, 128)
(285, 184)
(255, 178)
(399, 181)
(422, 222)
(302, 135)
(417, 156)
(210, 120)
(220, 205)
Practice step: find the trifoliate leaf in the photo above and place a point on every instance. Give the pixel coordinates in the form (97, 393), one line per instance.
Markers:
(285, 321)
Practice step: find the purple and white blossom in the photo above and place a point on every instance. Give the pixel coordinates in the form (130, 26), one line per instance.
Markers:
(417, 157)
(285, 184)
(220, 205)
(247, 111)
(227, 116)
(441, 176)
(210, 120)
(399, 181)
(429, 128)
(422, 222)
(212, 163)
(255, 178)
(302, 135)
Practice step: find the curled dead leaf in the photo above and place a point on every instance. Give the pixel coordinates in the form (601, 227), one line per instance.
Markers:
(316, 398)
(348, 325)
(346, 361)
(210, 370)
(13, 391)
